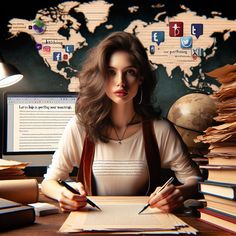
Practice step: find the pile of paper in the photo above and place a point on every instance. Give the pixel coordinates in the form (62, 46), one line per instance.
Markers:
(120, 215)
(11, 169)
(222, 138)
(223, 135)
(221, 166)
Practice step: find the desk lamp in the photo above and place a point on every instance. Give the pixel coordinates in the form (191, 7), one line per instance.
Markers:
(9, 74)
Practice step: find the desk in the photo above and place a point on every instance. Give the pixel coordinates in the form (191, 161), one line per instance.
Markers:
(49, 225)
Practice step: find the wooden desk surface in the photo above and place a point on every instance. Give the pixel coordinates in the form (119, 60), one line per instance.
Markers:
(49, 225)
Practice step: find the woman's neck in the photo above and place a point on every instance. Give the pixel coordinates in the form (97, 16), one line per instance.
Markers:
(122, 115)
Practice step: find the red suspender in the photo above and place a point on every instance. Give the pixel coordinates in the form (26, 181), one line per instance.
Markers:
(151, 151)
(152, 154)
(85, 170)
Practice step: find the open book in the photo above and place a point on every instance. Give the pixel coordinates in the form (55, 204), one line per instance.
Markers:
(120, 214)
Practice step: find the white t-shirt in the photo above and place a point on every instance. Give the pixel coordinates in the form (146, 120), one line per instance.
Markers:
(121, 169)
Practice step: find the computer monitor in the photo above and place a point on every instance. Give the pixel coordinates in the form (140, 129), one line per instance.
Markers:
(33, 124)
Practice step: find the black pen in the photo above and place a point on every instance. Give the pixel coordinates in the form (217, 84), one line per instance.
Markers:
(169, 181)
(76, 192)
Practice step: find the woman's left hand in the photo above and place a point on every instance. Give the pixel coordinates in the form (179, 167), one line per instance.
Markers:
(166, 200)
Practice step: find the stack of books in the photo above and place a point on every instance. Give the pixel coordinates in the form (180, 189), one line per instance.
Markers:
(14, 215)
(219, 188)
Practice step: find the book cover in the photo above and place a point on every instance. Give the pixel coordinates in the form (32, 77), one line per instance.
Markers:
(221, 160)
(4, 203)
(226, 148)
(221, 173)
(221, 204)
(222, 212)
(15, 215)
(218, 214)
(218, 219)
(224, 190)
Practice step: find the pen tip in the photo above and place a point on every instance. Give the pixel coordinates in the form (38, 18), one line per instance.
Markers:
(141, 211)
(145, 207)
(97, 207)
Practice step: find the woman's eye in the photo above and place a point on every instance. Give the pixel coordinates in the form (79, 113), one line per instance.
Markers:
(132, 73)
(111, 73)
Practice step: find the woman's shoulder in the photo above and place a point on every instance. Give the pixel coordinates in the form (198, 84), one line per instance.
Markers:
(164, 127)
(72, 122)
(158, 122)
(162, 123)
(74, 125)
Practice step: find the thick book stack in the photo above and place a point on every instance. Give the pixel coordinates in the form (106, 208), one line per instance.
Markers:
(220, 187)
(14, 215)
(15, 195)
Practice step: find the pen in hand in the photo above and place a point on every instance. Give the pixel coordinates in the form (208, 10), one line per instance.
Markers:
(169, 181)
(61, 182)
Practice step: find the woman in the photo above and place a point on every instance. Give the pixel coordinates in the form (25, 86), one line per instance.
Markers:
(117, 136)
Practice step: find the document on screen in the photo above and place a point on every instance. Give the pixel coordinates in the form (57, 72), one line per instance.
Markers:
(39, 126)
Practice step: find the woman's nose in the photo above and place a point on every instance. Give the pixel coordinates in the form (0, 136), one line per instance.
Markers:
(120, 79)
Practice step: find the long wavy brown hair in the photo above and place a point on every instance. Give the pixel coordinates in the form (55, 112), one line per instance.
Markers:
(93, 106)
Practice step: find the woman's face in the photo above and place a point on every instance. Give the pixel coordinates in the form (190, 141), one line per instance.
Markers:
(123, 78)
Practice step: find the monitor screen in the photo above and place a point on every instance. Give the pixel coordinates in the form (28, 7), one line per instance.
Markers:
(33, 125)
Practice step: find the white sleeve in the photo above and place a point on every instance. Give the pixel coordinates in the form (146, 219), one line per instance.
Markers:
(68, 153)
(172, 153)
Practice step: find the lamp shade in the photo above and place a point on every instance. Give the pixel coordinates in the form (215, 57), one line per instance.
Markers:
(9, 75)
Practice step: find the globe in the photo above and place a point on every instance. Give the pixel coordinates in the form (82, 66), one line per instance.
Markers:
(191, 115)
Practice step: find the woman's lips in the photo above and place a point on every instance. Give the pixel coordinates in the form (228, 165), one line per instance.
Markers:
(120, 93)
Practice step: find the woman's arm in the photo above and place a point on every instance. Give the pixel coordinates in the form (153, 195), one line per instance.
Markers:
(68, 201)
(63, 161)
(174, 155)
(172, 197)
(51, 189)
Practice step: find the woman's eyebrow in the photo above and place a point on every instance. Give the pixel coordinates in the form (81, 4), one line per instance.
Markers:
(127, 67)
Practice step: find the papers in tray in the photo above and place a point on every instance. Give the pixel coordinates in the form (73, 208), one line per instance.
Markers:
(120, 214)
(11, 169)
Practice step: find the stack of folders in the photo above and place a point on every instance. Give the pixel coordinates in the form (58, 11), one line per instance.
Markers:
(12, 169)
(220, 187)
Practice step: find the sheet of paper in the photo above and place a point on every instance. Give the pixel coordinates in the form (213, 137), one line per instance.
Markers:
(120, 216)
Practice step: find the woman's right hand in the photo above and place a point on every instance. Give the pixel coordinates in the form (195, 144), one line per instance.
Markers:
(69, 201)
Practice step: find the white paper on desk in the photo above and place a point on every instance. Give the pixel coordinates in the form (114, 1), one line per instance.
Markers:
(119, 217)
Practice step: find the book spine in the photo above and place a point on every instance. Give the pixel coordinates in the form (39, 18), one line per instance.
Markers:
(227, 214)
(219, 194)
(17, 217)
(211, 194)
(218, 214)
(218, 226)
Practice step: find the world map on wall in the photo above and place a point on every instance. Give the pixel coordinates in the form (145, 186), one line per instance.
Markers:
(59, 38)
